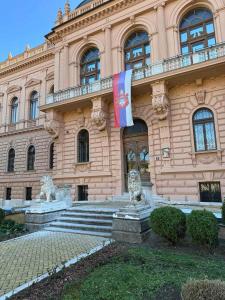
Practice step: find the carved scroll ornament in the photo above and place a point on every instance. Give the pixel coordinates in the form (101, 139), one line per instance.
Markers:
(52, 127)
(98, 117)
(160, 106)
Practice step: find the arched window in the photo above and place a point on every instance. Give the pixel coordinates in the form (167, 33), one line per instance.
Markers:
(14, 110)
(90, 66)
(51, 156)
(30, 158)
(137, 50)
(204, 130)
(197, 30)
(34, 105)
(83, 146)
(11, 160)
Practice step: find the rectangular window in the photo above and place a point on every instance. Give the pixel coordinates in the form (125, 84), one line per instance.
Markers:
(8, 193)
(28, 193)
(209, 28)
(82, 192)
(210, 192)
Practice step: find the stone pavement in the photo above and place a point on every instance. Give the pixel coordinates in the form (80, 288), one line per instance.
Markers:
(26, 258)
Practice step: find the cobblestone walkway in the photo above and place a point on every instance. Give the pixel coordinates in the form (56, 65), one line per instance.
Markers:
(26, 258)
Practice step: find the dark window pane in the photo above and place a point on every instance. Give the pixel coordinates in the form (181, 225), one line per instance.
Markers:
(82, 193)
(28, 193)
(83, 146)
(51, 156)
(11, 160)
(14, 110)
(34, 105)
(210, 192)
(30, 158)
(8, 194)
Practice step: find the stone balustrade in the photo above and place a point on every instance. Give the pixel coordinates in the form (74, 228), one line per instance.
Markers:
(171, 64)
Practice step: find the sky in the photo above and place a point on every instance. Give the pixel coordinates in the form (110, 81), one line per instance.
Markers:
(25, 22)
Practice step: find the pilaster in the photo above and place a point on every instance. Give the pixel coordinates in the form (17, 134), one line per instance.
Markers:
(163, 45)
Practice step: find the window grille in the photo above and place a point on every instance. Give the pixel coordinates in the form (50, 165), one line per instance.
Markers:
(210, 192)
(204, 130)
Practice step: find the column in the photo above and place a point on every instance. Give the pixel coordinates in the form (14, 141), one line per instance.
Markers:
(163, 46)
(108, 50)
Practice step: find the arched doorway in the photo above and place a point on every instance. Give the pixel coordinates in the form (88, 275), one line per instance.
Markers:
(136, 151)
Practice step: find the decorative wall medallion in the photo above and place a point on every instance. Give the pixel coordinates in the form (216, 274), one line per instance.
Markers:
(200, 96)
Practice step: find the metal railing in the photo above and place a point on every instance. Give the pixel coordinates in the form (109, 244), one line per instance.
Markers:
(171, 64)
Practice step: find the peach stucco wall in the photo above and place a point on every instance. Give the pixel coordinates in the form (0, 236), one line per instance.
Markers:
(58, 62)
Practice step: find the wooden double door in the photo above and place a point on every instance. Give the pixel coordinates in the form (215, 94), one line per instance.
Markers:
(136, 151)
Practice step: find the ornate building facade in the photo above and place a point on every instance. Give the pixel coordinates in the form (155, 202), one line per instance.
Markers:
(56, 102)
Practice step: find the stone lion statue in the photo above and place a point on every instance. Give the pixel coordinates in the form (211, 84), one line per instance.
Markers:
(48, 189)
(134, 187)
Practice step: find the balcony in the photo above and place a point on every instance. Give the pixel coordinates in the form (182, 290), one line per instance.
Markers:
(154, 72)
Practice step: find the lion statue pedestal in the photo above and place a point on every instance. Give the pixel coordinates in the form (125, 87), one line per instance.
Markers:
(131, 223)
(48, 205)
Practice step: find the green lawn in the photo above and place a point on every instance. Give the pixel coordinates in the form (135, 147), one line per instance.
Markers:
(142, 273)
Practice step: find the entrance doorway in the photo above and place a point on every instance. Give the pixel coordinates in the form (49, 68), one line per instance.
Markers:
(136, 151)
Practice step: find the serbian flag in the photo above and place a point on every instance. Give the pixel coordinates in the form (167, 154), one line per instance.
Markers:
(122, 99)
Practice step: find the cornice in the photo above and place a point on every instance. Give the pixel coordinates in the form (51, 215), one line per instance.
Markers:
(33, 82)
(41, 127)
(27, 63)
(13, 89)
(89, 18)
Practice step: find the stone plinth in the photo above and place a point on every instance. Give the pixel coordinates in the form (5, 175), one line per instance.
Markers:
(131, 224)
(40, 214)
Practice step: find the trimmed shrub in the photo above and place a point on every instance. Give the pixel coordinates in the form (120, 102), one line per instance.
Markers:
(223, 211)
(2, 215)
(203, 228)
(203, 289)
(169, 222)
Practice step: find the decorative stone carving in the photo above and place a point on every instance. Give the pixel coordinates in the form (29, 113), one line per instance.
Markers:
(33, 82)
(98, 115)
(200, 96)
(48, 189)
(160, 102)
(82, 167)
(99, 119)
(53, 128)
(135, 187)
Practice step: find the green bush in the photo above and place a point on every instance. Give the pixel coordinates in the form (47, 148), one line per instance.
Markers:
(203, 228)
(169, 222)
(223, 211)
(2, 215)
(203, 289)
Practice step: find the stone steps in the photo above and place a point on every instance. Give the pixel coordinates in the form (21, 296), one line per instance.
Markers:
(95, 233)
(87, 219)
(86, 215)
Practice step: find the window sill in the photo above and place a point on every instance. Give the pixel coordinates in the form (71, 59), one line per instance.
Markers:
(207, 152)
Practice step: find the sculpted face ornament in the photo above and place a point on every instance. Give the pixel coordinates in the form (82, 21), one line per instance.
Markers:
(135, 188)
